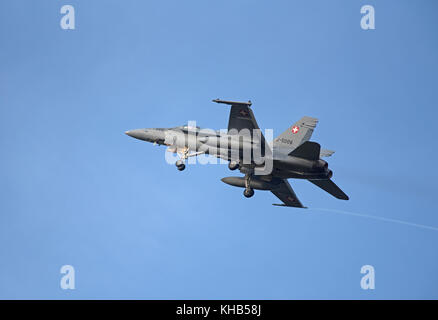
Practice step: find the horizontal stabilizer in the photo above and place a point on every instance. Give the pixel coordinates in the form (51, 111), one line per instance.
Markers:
(325, 153)
(330, 187)
(283, 205)
(308, 150)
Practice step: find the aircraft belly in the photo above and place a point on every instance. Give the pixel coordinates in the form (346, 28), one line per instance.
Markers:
(295, 164)
(298, 169)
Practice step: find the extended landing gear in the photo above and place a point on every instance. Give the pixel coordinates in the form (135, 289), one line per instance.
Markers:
(184, 154)
(180, 165)
(249, 192)
(233, 165)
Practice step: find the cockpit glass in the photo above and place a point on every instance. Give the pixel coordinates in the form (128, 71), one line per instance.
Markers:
(187, 127)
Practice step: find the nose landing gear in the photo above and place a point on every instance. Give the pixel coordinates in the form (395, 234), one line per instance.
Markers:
(184, 154)
(180, 165)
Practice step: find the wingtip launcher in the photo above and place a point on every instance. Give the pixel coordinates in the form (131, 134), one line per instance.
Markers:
(233, 103)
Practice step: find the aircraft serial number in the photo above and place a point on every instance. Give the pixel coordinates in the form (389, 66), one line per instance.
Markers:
(285, 140)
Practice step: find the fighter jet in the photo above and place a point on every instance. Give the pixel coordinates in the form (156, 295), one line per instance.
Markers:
(266, 166)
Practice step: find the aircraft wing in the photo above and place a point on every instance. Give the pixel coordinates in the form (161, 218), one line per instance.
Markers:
(243, 123)
(241, 118)
(285, 193)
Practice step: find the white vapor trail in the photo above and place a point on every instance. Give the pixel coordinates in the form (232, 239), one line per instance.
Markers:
(378, 218)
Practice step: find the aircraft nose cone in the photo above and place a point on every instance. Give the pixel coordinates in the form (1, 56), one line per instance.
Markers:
(130, 133)
(137, 133)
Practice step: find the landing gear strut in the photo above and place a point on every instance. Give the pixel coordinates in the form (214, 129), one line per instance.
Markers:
(249, 192)
(184, 155)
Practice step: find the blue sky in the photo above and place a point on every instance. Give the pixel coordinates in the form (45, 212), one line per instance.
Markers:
(75, 190)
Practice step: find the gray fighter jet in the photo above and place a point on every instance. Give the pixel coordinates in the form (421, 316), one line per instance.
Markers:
(266, 166)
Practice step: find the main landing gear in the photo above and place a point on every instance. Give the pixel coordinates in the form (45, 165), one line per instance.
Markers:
(233, 165)
(248, 192)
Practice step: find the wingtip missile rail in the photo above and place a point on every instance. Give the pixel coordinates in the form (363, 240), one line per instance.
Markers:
(233, 103)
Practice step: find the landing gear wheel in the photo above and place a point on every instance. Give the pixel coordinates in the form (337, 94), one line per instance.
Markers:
(248, 193)
(233, 165)
(180, 165)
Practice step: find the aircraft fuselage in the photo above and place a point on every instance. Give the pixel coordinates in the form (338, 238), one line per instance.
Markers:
(233, 147)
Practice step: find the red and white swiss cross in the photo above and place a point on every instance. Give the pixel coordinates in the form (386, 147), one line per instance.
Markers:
(295, 129)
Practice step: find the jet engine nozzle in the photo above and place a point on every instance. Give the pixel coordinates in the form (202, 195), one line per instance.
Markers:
(329, 174)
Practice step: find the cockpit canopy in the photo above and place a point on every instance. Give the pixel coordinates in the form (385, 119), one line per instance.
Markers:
(187, 127)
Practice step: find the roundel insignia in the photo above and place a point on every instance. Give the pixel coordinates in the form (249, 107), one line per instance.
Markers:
(295, 129)
(243, 113)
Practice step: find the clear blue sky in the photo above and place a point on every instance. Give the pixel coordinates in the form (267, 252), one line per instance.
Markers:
(75, 190)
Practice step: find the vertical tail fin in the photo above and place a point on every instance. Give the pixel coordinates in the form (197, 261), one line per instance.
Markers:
(297, 134)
